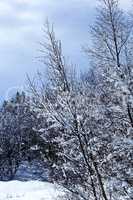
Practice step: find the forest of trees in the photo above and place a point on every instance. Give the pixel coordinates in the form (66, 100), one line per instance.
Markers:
(80, 125)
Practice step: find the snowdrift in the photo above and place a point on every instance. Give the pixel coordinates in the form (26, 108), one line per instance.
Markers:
(31, 190)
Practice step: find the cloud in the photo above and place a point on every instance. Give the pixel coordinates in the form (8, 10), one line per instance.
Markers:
(4, 8)
(126, 4)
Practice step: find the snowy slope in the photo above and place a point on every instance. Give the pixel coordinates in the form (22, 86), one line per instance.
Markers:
(31, 190)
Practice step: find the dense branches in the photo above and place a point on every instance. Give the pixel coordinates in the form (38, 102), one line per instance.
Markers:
(92, 115)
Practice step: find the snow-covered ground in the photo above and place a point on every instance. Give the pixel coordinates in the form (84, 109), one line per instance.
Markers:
(31, 190)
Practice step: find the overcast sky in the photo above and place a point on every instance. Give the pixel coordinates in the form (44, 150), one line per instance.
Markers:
(21, 23)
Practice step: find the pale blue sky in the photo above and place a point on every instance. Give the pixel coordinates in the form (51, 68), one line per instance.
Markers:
(21, 22)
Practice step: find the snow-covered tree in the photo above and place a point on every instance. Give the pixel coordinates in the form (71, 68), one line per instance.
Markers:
(72, 113)
(91, 117)
(16, 134)
(112, 57)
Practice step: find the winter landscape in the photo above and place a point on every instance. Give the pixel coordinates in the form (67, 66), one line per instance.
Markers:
(67, 134)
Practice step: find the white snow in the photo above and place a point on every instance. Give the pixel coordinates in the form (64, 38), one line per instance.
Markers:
(31, 190)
